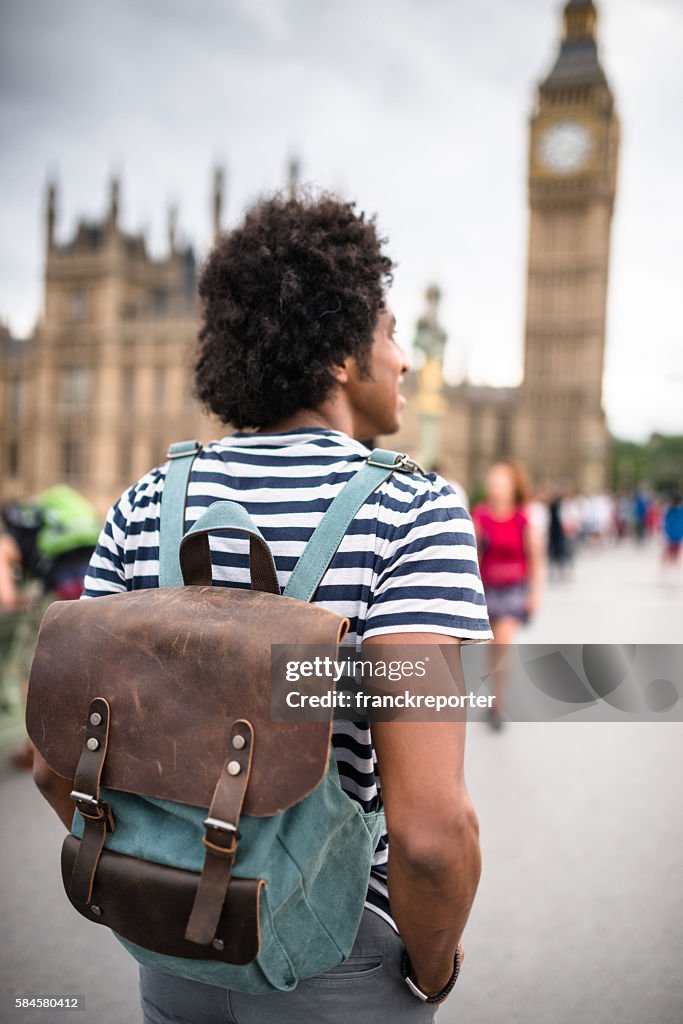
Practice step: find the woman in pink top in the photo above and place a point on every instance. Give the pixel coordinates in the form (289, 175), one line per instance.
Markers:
(510, 561)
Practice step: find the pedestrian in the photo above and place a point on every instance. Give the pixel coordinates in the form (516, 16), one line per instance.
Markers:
(298, 352)
(654, 519)
(511, 566)
(641, 505)
(45, 547)
(622, 516)
(558, 545)
(672, 528)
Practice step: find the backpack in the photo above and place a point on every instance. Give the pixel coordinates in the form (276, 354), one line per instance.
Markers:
(69, 522)
(216, 843)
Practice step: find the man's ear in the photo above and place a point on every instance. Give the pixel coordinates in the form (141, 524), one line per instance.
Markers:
(342, 371)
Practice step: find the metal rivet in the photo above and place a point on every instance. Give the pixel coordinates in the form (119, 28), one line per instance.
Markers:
(238, 742)
(95, 718)
(218, 944)
(97, 911)
(93, 744)
(234, 767)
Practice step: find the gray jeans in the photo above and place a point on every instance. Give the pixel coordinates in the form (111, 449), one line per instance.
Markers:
(366, 989)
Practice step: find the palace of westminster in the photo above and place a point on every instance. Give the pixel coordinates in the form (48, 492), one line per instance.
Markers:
(94, 397)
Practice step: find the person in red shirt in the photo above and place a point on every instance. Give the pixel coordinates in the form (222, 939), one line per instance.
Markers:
(510, 558)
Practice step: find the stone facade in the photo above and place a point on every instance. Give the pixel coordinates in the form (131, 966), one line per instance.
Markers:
(96, 395)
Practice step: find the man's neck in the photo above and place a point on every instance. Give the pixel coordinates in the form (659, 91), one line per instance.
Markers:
(330, 416)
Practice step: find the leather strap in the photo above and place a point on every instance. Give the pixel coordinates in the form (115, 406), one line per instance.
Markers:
(97, 816)
(181, 457)
(222, 835)
(331, 529)
(195, 554)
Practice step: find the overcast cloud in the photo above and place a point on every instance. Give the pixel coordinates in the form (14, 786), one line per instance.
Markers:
(416, 108)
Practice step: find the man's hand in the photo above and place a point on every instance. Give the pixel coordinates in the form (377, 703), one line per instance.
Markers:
(437, 986)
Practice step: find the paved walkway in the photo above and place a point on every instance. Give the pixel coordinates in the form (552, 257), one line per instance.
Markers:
(579, 917)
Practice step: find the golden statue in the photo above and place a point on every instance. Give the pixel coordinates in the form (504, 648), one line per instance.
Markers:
(430, 340)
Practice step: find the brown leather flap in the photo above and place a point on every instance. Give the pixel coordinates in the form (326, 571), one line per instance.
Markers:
(149, 904)
(177, 666)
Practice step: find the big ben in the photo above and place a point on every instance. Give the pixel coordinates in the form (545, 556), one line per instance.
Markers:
(573, 144)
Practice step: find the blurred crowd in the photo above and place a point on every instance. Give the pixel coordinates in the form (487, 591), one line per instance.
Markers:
(568, 521)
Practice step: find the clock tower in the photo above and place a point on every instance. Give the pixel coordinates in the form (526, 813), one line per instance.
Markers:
(573, 147)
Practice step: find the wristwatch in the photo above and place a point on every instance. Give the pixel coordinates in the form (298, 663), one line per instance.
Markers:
(418, 993)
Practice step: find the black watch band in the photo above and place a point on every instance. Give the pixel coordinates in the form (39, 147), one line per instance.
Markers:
(445, 991)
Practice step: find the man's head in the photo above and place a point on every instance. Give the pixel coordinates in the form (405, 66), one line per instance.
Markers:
(294, 314)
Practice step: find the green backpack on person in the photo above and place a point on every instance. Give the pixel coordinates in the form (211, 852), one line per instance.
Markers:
(69, 521)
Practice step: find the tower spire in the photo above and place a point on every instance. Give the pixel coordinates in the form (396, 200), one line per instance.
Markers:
(51, 213)
(293, 173)
(218, 184)
(577, 63)
(114, 200)
(172, 227)
(580, 21)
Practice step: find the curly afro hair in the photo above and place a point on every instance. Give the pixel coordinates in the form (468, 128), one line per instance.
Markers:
(296, 289)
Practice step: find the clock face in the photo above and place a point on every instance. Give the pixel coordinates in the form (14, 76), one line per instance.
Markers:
(565, 147)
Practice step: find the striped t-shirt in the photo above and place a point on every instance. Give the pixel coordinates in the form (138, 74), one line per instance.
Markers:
(408, 562)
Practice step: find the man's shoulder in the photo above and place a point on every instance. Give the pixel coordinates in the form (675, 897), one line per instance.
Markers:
(144, 493)
(421, 490)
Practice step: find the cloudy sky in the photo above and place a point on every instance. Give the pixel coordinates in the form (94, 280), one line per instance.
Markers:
(416, 108)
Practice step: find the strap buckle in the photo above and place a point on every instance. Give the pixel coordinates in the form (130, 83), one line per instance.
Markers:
(196, 447)
(403, 463)
(102, 808)
(217, 832)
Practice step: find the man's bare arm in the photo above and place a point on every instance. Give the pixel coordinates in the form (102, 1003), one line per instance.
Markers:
(434, 858)
(10, 558)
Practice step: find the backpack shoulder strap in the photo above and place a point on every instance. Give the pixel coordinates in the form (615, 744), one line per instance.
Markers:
(330, 531)
(181, 457)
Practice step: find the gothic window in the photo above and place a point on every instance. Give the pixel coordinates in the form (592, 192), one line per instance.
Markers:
(128, 387)
(75, 388)
(503, 434)
(73, 462)
(16, 398)
(13, 458)
(160, 301)
(78, 307)
(159, 388)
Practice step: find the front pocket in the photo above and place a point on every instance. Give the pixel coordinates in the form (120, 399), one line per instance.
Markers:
(149, 904)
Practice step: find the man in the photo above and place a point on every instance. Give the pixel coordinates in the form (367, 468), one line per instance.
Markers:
(297, 344)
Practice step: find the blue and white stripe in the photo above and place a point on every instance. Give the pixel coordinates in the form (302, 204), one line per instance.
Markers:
(408, 562)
